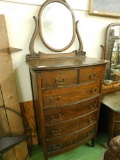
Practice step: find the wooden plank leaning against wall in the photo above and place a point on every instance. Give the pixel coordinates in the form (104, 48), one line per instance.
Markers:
(10, 123)
(27, 111)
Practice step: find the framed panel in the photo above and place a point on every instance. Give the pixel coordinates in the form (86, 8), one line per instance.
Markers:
(108, 8)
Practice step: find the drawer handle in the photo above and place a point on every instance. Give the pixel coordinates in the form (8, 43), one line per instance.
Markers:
(90, 133)
(58, 116)
(91, 120)
(60, 82)
(57, 147)
(92, 106)
(58, 132)
(95, 75)
(93, 91)
(53, 101)
(92, 76)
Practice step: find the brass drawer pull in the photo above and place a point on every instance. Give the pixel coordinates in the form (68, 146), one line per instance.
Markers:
(57, 147)
(58, 132)
(58, 116)
(53, 101)
(92, 76)
(60, 82)
(92, 107)
(91, 120)
(90, 133)
(95, 75)
(93, 91)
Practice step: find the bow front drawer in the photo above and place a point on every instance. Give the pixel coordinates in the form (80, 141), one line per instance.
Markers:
(70, 126)
(54, 115)
(61, 96)
(58, 78)
(89, 74)
(63, 142)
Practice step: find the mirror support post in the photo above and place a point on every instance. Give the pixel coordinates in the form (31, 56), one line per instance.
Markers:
(31, 45)
(80, 51)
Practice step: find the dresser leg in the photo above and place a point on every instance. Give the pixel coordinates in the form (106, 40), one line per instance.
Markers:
(45, 157)
(93, 142)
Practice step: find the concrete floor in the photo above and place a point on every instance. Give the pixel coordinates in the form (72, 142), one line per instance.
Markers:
(84, 152)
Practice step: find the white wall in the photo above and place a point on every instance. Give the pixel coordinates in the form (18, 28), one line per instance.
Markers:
(20, 26)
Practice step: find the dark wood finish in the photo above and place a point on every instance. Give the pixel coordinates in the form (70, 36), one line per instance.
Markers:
(67, 94)
(110, 111)
(113, 152)
(27, 111)
(11, 123)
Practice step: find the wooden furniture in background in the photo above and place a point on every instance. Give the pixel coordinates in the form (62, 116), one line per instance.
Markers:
(110, 114)
(67, 95)
(10, 123)
(113, 152)
(113, 87)
(111, 53)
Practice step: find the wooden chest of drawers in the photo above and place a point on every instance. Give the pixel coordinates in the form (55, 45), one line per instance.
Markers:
(110, 114)
(67, 96)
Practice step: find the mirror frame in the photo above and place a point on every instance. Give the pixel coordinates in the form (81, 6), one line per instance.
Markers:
(40, 25)
(39, 55)
(115, 85)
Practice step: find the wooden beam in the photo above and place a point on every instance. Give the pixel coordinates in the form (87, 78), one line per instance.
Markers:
(10, 97)
(27, 109)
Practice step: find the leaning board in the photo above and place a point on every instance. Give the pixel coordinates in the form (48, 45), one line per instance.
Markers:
(10, 123)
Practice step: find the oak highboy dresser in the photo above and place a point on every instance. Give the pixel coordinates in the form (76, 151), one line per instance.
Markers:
(67, 95)
(66, 86)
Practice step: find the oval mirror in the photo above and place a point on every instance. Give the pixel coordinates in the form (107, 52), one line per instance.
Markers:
(56, 25)
(112, 53)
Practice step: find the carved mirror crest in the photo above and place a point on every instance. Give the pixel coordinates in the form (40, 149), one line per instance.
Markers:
(57, 28)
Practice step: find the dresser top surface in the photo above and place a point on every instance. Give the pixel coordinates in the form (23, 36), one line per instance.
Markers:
(112, 101)
(68, 62)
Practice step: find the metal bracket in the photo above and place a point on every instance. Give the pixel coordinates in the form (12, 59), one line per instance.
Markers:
(9, 50)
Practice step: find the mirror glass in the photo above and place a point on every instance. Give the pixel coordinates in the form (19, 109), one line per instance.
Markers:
(112, 52)
(56, 25)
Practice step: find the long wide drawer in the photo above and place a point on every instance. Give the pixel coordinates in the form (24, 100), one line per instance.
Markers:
(62, 96)
(55, 115)
(70, 126)
(70, 139)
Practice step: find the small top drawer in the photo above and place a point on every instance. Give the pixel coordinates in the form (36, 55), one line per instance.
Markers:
(89, 74)
(58, 78)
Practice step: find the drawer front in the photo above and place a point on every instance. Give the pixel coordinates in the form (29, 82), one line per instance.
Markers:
(91, 74)
(71, 126)
(62, 96)
(116, 131)
(117, 117)
(71, 139)
(58, 78)
(56, 115)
